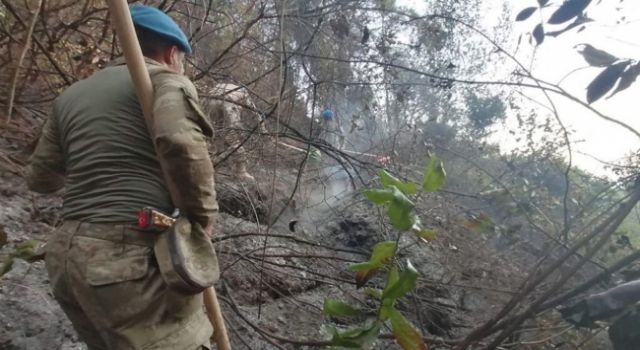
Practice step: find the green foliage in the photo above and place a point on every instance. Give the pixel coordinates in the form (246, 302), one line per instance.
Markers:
(314, 154)
(392, 278)
(401, 214)
(356, 338)
(631, 227)
(485, 111)
(606, 80)
(406, 334)
(389, 181)
(373, 293)
(333, 307)
(403, 284)
(381, 256)
(434, 176)
(7, 266)
(426, 234)
(25, 251)
(379, 197)
(568, 10)
(400, 207)
(400, 280)
(620, 72)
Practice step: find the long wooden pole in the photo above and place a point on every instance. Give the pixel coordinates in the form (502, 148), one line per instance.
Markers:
(123, 25)
(215, 317)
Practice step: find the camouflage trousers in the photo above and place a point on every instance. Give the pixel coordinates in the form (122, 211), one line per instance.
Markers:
(107, 282)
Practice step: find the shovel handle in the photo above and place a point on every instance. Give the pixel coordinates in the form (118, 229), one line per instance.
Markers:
(125, 31)
(123, 25)
(215, 317)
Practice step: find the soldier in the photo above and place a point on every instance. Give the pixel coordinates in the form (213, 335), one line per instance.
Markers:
(97, 146)
(331, 130)
(228, 113)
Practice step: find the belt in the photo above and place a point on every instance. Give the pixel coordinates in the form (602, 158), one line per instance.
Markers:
(119, 233)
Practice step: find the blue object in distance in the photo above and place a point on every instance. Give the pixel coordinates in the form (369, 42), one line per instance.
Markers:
(327, 114)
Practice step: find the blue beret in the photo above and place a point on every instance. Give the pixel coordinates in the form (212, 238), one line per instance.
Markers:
(156, 21)
(327, 114)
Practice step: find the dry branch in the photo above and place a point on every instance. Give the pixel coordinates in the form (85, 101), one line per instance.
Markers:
(27, 44)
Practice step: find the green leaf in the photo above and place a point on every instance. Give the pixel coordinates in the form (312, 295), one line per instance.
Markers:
(392, 278)
(387, 303)
(341, 339)
(596, 57)
(380, 256)
(380, 196)
(400, 217)
(360, 337)
(526, 13)
(605, 81)
(401, 212)
(405, 282)
(25, 250)
(538, 33)
(386, 309)
(373, 293)
(314, 154)
(402, 201)
(363, 266)
(6, 266)
(434, 175)
(406, 334)
(409, 188)
(383, 252)
(426, 234)
(400, 209)
(363, 276)
(389, 180)
(333, 307)
(568, 10)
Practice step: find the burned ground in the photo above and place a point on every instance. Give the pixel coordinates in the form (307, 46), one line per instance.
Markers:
(274, 279)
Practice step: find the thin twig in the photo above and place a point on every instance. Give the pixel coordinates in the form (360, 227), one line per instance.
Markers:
(16, 73)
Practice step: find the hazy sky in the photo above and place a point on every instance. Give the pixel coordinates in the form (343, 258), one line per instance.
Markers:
(557, 57)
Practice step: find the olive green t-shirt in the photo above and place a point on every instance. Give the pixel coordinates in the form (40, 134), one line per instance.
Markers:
(97, 146)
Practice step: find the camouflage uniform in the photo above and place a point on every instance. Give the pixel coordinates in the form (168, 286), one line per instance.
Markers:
(333, 133)
(97, 146)
(329, 131)
(227, 115)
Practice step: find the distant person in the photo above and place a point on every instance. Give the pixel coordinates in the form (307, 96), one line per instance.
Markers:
(232, 122)
(330, 129)
(96, 145)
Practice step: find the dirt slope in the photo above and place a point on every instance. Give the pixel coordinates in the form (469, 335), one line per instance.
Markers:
(463, 281)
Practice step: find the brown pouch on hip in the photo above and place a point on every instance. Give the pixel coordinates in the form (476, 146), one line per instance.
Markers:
(186, 257)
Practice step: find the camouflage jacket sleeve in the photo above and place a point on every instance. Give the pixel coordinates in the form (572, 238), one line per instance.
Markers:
(45, 170)
(179, 131)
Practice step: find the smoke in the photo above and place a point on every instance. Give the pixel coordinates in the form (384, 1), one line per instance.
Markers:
(327, 187)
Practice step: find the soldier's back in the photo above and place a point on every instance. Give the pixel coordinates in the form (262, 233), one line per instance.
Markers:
(112, 169)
